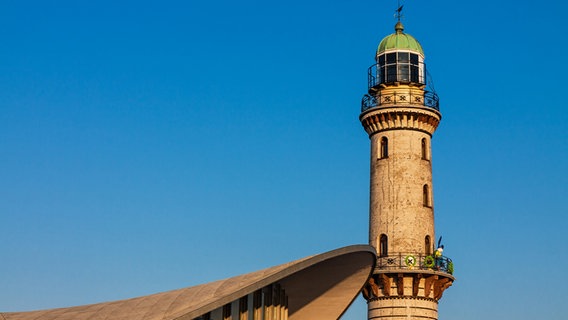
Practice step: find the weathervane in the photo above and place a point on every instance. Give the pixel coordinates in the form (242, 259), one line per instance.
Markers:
(398, 12)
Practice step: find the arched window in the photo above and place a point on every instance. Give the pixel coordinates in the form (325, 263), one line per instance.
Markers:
(426, 195)
(424, 149)
(427, 246)
(384, 147)
(383, 246)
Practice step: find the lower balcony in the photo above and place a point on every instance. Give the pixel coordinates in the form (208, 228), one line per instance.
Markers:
(415, 261)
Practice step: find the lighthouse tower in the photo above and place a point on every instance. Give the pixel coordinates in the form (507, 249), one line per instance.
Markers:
(400, 115)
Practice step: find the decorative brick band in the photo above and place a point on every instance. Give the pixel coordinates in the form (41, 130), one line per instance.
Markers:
(397, 118)
(403, 297)
(419, 286)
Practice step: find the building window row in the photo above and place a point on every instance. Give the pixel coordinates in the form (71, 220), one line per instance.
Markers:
(269, 303)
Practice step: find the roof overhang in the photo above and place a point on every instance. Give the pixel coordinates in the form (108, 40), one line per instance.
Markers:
(318, 287)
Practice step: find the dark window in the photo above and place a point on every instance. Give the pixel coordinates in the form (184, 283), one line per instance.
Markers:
(414, 75)
(383, 246)
(384, 148)
(427, 245)
(257, 304)
(382, 75)
(382, 60)
(414, 58)
(403, 57)
(243, 307)
(227, 312)
(268, 296)
(403, 73)
(391, 57)
(424, 149)
(426, 196)
(391, 73)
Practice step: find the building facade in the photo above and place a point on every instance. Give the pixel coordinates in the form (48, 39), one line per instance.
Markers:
(400, 115)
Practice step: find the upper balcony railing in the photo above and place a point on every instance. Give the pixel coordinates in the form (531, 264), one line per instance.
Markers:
(415, 261)
(404, 97)
(398, 72)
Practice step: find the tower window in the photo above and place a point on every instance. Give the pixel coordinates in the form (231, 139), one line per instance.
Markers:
(414, 59)
(426, 196)
(384, 148)
(427, 246)
(383, 246)
(414, 74)
(424, 149)
(403, 73)
(391, 73)
(381, 75)
(403, 57)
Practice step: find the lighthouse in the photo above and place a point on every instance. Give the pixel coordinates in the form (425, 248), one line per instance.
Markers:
(400, 114)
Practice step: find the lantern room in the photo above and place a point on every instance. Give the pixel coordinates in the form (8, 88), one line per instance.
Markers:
(399, 60)
(399, 75)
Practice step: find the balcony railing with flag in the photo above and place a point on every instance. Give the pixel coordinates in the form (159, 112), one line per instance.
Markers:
(415, 261)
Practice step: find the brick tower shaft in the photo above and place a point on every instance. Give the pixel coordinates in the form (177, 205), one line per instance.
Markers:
(400, 117)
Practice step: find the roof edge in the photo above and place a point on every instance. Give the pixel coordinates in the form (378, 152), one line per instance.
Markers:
(323, 284)
(294, 267)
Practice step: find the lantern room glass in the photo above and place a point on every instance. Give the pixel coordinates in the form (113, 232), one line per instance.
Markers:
(400, 66)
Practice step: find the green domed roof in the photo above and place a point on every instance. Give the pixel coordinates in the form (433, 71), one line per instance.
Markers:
(399, 40)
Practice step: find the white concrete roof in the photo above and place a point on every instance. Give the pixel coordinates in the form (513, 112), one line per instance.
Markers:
(318, 287)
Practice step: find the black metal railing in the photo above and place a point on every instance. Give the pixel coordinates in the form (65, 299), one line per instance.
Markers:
(378, 74)
(415, 261)
(404, 97)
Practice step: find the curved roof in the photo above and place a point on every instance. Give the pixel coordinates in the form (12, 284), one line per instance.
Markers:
(399, 40)
(318, 287)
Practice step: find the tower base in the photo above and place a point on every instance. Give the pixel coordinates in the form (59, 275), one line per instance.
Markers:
(403, 308)
(405, 294)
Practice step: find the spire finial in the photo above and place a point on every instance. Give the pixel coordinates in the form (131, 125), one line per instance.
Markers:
(399, 28)
(398, 12)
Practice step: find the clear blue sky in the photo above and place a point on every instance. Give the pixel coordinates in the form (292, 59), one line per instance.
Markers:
(147, 146)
